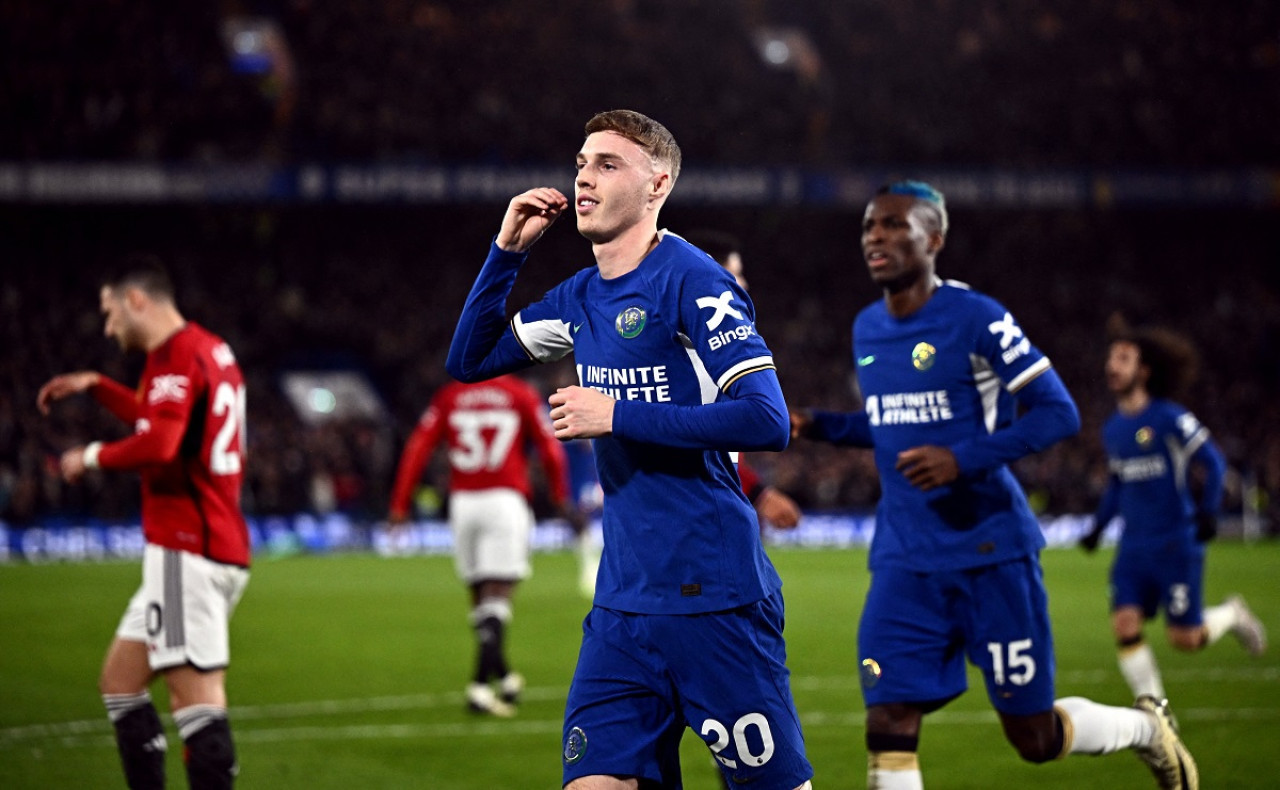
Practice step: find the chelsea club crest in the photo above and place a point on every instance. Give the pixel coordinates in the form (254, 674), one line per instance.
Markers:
(922, 356)
(575, 746)
(630, 322)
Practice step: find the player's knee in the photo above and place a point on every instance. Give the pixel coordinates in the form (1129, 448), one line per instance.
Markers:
(1037, 752)
(893, 720)
(1036, 745)
(1188, 640)
(1037, 739)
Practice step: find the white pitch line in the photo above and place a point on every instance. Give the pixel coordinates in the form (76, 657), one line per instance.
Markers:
(541, 727)
(73, 733)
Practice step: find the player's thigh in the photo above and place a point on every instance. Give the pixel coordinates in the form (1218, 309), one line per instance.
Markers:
(1182, 590)
(492, 530)
(190, 686)
(1136, 583)
(908, 641)
(184, 609)
(125, 668)
(1126, 622)
(735, 691)
(1009, 637)
(620, 717)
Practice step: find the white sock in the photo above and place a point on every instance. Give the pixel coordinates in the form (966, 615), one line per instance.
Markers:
(1090, 728)
(1218, 620)
(1138, 665)
(894, 771)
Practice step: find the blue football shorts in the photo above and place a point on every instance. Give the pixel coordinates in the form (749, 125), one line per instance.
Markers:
(641, 679)
(918, 628)
(1152, 581)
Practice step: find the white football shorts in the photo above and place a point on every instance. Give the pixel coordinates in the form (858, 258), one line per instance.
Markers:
(491, 532)
(183, 609)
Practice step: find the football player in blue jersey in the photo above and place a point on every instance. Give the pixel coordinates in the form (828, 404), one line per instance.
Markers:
(686, 624)
(1153, 444)
(955, 568)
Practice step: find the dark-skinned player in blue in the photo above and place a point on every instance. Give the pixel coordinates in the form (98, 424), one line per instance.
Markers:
(955, 568)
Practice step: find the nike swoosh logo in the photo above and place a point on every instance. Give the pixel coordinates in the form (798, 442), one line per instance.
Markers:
(576, 327)
(867, 360)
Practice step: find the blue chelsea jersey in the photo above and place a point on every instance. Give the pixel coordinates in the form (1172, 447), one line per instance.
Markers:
(1148, 456)
(940, 376)
(679, 535)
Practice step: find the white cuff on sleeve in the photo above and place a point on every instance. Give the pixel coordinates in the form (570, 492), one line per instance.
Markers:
(91, 451)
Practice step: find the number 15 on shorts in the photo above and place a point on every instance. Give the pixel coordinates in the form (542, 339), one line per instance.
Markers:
(1010, 663)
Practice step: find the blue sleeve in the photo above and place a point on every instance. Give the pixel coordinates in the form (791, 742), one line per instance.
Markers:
(1109, 506)
(848, 429)
(1050, 416)
(752, 417)
(1215, 469)
(483, 344)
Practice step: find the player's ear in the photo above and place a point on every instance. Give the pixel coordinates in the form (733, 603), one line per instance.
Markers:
(659, 186)
(936, 242)
(135, 298)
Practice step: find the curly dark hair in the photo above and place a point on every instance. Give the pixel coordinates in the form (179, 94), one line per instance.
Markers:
(1169, 356)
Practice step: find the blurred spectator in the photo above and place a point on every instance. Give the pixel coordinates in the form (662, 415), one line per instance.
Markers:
(988, 81)
(1095, 83)
(382, 288)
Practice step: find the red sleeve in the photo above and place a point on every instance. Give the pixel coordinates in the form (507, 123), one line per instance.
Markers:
(554, 459)
(751, 485)
(171, 384)
(119, 399)
(156, 442)
(416, 453)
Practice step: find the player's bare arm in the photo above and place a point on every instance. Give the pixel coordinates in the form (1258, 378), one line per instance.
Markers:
(581, 413)
(928, 467)
(528, 216)
(63, 385)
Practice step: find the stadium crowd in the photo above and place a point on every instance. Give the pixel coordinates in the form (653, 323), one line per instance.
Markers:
(378, 290)
(1109, 83)
(996, 82)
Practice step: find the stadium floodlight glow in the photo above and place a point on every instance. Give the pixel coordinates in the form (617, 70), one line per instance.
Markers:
(322, 400)
(319, 396)
(776, 51)
(786, 48)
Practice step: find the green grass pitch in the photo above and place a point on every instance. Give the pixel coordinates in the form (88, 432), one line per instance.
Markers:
(348, 671)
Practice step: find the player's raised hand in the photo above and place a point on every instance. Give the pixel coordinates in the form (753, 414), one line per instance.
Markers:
(581, 413)
(62, 385)
(528, 216)
(927, 467)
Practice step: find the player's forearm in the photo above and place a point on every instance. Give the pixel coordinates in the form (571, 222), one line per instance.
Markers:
(1215, 471)
(556, 464)
(116, 397)
(157, 444)
(1108, 507)
(481, 347)
(847, 429)
(754, 418)
(1051, 416)
(414, 458)
(1035, 431)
